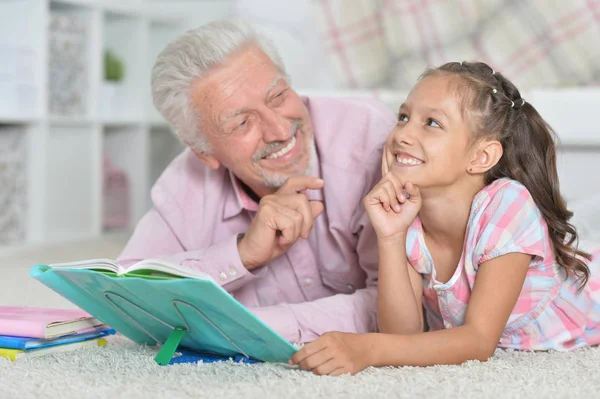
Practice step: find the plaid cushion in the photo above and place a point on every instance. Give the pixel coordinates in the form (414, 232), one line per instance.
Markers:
(388, 43)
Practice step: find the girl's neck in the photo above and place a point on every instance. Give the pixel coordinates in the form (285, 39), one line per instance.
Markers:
(445, 212)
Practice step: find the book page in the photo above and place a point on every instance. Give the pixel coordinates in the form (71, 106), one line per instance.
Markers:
(99, 264)
(161, 266)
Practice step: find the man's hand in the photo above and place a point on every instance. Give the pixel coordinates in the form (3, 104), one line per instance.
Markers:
(335, 353)
(282, 218)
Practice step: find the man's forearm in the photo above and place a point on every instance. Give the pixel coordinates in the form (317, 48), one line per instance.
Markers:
(305, 322)
(154, 239)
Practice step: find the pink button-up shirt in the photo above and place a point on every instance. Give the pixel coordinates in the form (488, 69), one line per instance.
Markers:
(324, 283)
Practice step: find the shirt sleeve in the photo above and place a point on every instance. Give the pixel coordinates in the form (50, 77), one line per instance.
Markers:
(305, 322)
(154, 238)
(511, 222)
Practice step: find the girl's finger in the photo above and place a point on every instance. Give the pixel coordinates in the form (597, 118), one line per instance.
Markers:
(392, 195)
(399, 191)
(413, 192)
(326, 368)
(385, 168)
(382, 197)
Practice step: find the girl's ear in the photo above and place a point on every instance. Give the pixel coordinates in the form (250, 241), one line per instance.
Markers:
(485, 157)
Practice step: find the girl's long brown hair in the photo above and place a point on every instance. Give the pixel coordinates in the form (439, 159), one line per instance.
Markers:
(498, 112)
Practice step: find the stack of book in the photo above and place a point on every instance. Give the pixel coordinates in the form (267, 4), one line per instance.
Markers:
(30, 332)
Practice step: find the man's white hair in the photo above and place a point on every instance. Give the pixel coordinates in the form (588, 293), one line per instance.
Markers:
(187, 59)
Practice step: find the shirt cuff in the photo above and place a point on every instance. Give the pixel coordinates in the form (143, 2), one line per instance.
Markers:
(221, 261)
(281, 319)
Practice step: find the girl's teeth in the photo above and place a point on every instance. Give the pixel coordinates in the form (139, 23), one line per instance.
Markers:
(408, 161)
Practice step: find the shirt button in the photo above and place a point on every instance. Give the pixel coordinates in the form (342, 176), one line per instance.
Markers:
(223, 276)
(351, 288)
(308, 281)
(447, 324)
(232, 272)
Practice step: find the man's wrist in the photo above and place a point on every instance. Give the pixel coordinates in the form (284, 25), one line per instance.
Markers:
(242, 252)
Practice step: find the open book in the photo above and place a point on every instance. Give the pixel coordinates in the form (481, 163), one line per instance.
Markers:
(195, 312)
(144, 268)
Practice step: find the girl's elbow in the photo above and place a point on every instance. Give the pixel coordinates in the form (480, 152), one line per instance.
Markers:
(484, 351)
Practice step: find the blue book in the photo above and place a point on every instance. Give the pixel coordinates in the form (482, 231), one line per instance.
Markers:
(27, 343)
(188, 356)
(156, 302)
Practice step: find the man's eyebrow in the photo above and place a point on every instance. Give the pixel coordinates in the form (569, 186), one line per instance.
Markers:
(232, 115)
(242, 110)
(273, 85)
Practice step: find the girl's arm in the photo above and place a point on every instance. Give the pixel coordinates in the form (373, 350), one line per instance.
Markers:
(495, 293)
(497, 287)
(399, 291)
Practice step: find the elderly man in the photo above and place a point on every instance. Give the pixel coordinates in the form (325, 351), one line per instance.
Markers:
(267, 199)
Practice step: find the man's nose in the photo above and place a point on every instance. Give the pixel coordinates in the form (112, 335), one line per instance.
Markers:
(275, 127)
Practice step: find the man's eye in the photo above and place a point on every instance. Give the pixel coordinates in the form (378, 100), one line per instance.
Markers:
(402, 118)
(243, 122)
(432, 123)
(278, 98)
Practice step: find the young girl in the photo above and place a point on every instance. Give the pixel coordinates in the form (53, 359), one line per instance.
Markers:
(471, 226)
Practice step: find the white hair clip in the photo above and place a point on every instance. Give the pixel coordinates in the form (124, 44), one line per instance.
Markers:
(512, 104)
(461, 63)
(522, 102)
(493, 72)
(495, 90)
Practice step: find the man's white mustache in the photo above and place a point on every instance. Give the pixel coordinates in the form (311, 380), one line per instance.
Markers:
(274, 147)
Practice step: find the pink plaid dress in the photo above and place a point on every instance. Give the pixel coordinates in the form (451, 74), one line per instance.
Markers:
(550, 313)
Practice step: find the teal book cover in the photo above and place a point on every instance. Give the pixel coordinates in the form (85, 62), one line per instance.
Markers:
(148, 310)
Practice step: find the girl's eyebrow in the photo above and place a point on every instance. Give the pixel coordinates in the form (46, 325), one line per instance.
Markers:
(438, 111)
(429, 110)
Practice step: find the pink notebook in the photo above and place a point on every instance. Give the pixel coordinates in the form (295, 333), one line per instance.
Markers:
(44, 323)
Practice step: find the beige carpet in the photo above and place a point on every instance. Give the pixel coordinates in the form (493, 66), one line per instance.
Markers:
(123, 369)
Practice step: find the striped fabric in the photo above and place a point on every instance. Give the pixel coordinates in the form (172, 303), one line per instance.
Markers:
(550, 312)
(388, 43)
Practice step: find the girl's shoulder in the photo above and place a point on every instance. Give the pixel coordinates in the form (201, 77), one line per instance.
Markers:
(505, 218)
(503, 197)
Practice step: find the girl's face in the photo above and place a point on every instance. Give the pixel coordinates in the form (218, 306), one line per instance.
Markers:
(429, 146)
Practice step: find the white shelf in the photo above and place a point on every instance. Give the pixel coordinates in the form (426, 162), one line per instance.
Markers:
(69, 120)
(66, 147)
(17, 120)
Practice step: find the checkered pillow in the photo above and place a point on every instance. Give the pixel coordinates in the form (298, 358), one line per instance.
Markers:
(388, 43)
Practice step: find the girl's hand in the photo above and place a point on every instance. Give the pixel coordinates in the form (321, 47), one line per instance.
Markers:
(390, 210)
(334, 353)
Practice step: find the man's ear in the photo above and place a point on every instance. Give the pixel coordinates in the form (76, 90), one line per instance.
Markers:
(485, 157)
(208, 160)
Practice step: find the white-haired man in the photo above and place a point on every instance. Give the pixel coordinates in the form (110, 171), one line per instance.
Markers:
(267, 198)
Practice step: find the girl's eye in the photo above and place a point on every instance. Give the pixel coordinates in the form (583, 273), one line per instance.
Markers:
(402, 118)
(432, 123)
